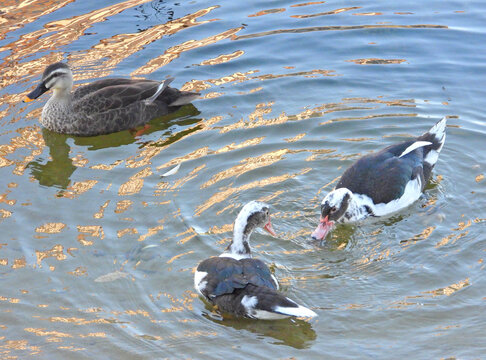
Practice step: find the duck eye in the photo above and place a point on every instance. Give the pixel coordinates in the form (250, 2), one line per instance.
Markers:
(333, 209)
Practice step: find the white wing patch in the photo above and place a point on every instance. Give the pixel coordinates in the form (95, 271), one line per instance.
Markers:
(268, 315)
(199, 284)
(432, 157)
(299, 311)
(277, 285)
(249, 302)
(412, 192)
(415, 145)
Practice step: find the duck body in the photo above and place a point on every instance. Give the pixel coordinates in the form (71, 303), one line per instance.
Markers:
(104, 106)
(382, 183)
(238, 284)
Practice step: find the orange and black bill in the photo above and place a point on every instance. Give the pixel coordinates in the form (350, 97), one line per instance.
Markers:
(38, 91)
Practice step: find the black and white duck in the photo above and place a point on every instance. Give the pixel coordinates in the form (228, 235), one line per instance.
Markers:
(238, 284)
(382, 183)
(104, 106)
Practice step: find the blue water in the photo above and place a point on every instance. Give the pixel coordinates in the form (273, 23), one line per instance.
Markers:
(97, 250)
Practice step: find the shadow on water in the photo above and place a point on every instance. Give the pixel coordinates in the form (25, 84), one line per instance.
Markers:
(296, 333)
(58, 170)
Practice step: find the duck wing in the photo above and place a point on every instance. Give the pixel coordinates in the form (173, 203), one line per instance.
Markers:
(115, 97)
(225, 275)
(246, 288)
(384, 175)
(91, 88)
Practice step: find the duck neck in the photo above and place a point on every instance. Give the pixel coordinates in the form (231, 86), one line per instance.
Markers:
(62, 94)
(240, 246)
(359, 208)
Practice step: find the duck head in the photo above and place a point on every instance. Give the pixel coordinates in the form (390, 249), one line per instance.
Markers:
(57, 77)
(253, 215)
(333, 208)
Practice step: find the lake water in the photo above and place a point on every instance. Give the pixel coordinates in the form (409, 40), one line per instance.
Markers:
(97, 249)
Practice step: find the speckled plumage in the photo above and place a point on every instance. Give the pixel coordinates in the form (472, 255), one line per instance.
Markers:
(104, 106)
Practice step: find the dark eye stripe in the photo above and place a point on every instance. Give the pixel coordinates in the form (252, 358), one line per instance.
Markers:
(54, 75)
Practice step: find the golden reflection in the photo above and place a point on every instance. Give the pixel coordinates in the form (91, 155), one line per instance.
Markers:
(369, 14)
(178, 183)
(57, 252)
(10, 300)
(5, 213)
(78, 188)
(70, 348)
(374, 116)
(171, 260)
(228, 192)
(295, 138)
(175, 51)
(50, 228)
(19, 263)
(105, 167)
(151, 231)
(422, 236)
(122, 206)
(212, 95)
(266, 12)
(449, 290)
(30, 139)
(121, 46)
(336, 28)
(480, 178)
(131, 187)
(126, 231)
(247, 165)
(191, 234)
(101, 212)
(221, 59)
(358, 139)
(90, 230)
(53, 36)
(24, 12)
(220, 229)
(135, 183)
(375, 61)
(332, 12)
(308, 3)
(79, 271)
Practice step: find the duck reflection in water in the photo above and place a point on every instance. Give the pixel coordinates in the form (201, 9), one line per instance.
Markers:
(58, 170)
(292, 332)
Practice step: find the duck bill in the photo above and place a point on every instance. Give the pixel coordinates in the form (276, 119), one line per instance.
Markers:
(269, 228)
(322, 229)
(38, 91)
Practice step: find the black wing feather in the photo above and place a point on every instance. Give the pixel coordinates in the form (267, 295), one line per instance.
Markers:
(383, 175)
(225, 275)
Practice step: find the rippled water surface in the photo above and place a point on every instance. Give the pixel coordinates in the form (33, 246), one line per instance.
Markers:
(97, 249)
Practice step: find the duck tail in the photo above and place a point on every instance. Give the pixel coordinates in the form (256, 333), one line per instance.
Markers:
(160, 89)
(436, 135)
(267, 304)
(184, 98)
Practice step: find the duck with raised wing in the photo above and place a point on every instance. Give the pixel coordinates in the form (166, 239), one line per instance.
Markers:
(382, 183)
(104, 106)
(238, 284)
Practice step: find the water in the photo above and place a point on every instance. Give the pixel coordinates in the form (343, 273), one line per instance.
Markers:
(97, 250)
